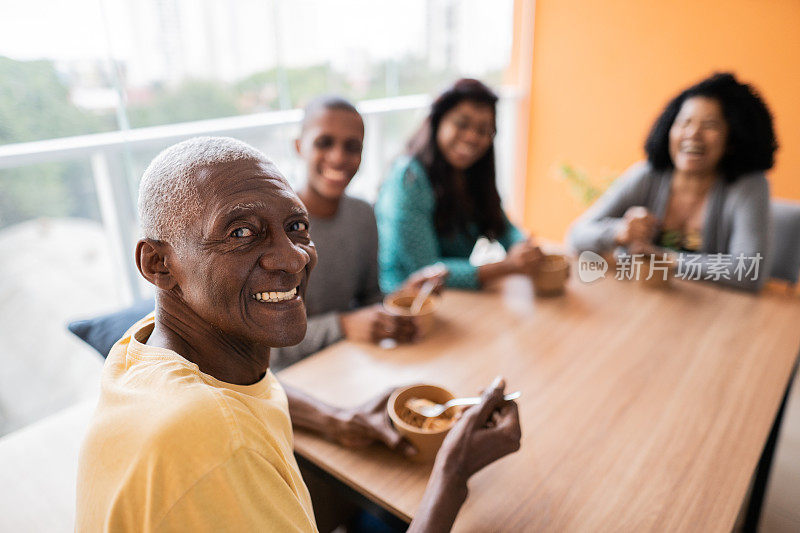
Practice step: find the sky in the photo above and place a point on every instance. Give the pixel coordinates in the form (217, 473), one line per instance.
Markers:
(234, 37)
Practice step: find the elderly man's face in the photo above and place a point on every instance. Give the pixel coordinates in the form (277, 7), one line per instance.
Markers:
(245, 267)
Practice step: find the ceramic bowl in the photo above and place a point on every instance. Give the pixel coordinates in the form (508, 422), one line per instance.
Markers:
(399, 303)
(426, 441)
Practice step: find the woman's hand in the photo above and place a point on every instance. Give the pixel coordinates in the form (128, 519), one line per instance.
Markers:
(369, 423)
(644, 248)
(523, 258)
(638, 227)
(373, 323)
(437, 273)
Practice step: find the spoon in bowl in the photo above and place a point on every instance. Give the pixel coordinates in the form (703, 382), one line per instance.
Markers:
(436, 409)
(422, 295)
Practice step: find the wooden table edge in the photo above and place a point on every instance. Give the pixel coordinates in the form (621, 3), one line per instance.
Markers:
(369, 495)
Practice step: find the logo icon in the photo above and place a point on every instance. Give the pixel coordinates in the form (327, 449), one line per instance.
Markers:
(591, 267)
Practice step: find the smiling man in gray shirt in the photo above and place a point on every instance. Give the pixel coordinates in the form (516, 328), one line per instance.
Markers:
(343, 296)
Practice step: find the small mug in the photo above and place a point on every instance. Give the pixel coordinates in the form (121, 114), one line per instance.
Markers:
(551, 275)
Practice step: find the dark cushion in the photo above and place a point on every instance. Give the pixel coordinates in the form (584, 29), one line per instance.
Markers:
(785, 247)
(103, 331)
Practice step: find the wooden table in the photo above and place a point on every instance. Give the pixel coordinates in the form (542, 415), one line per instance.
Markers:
(642, 409)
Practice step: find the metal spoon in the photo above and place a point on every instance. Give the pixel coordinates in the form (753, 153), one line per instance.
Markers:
(432, 411)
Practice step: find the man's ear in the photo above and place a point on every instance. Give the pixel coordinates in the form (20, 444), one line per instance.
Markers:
(153, 259)
(297, 146)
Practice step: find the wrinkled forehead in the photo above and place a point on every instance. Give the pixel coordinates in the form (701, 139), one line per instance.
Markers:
(245, 177)
(239, 188)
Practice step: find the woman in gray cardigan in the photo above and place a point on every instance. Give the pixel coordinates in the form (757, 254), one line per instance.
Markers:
(702, 191)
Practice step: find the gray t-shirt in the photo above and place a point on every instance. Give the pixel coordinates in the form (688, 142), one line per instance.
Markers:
(736, 221)
(345, 278)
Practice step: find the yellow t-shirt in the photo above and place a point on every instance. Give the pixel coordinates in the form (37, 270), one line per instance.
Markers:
(172, 449)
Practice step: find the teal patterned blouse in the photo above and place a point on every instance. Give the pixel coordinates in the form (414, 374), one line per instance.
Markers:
(408, 237)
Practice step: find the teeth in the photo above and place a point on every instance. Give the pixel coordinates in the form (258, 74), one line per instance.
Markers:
(692, 150)
(336, 175)
(275, 296)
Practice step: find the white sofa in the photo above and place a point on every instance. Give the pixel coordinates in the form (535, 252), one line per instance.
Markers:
(38, 469)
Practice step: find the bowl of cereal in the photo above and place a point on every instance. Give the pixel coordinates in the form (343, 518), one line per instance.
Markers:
(425, 433)
(399, 304)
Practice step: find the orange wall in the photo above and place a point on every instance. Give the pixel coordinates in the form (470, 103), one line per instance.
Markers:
(602, 71)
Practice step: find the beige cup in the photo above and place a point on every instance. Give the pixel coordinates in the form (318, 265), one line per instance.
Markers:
(427, 442)
(399, 304)
(551, 276)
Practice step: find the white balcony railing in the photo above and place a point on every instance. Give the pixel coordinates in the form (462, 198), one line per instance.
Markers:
(117, 203)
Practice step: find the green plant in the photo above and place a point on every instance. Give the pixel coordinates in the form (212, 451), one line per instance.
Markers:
(582, 187)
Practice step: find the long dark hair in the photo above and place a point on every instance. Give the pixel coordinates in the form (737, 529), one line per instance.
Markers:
(751, 142)
(450, 217)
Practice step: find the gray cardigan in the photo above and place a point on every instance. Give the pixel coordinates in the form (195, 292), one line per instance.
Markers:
(736, 221)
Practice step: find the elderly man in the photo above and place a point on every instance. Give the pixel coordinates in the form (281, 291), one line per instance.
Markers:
(192, 431)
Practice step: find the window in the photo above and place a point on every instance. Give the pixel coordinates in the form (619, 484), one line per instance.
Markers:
(91, 91)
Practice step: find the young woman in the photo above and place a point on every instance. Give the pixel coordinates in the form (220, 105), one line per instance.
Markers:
(702, 189)
(343, 297)
(441, 196)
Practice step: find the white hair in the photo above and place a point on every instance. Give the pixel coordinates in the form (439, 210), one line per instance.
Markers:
(168, 194)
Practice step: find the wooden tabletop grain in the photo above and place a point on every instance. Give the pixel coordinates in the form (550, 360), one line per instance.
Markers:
(642, 409)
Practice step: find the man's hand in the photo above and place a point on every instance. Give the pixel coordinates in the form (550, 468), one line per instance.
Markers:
(436, 273)
(373, 323)
(369, 423)
(638, 226)
(523, 258)
(484, 434)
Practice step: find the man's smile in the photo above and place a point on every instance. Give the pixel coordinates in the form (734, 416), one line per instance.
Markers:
(336, 176)
(276, 296)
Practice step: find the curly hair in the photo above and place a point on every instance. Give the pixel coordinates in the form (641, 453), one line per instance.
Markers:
(449, 215)
(751, 143)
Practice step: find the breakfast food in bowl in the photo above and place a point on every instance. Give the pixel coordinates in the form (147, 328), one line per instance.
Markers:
(426, 434)
(410, 414)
